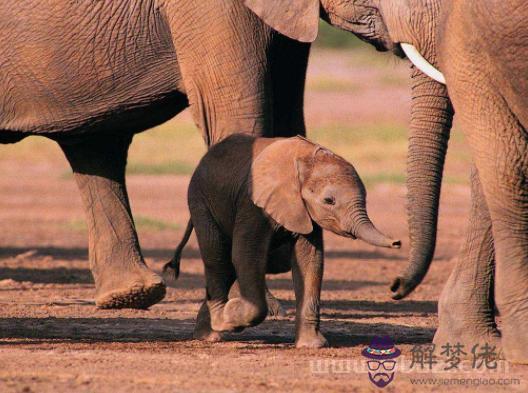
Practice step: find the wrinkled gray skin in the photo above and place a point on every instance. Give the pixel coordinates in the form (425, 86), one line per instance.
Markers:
(90, 74)
(278, 262)
(252, 196)
(481, 48)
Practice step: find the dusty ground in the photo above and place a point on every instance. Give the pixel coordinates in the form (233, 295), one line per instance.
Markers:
(53, 339)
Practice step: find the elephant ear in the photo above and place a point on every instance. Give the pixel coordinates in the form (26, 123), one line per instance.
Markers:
(297, 19)
(276, 186)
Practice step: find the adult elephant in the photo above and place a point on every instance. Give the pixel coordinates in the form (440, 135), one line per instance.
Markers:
(90, 74)
(481, 48)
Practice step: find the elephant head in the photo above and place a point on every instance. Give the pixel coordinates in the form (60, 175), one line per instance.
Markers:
(405, 27)
(296, 181)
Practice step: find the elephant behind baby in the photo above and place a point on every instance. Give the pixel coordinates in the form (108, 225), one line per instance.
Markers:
(90, 74)
(481, 49)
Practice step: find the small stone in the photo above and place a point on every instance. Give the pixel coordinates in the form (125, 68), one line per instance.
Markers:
(83, 380)
(27, 254)
(8, 282)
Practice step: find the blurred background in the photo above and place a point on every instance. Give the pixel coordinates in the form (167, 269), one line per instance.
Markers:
(357, 104)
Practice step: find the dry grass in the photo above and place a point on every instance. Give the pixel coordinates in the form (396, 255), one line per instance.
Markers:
(329, 84)
(378, 150)
(143, 223)
(375, 144)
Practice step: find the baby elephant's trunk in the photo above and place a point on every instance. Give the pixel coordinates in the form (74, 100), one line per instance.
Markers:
(367, 232)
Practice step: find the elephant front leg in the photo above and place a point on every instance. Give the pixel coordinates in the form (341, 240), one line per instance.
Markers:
(122, 280)
(251, 240)
(307, 269)
(202, 329)
(500, 146)
(466, 308)
(215, 249)
(275, 308)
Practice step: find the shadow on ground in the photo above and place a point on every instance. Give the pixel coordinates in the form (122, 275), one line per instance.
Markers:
(65, 275)
(68, 253)
(58, 275)
(24, 331)
(96, 329)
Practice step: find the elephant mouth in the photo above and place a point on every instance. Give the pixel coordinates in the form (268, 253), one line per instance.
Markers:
(382, 45)
(398, 51)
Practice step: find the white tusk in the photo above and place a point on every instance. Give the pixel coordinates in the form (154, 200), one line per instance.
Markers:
(423, 65)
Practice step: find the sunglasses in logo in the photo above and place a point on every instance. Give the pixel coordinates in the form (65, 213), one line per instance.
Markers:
(374, 365)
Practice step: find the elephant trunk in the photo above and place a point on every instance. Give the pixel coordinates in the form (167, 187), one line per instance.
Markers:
(362, 228)
(367, 232)
(431, 118)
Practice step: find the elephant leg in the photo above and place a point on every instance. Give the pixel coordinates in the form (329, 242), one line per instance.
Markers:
(509, 213)
(500, 143)
(202, 329)
(219, 272)
(274, 306)
(466, 309)
(510, 234)
(307, 269)
(251, 239)
(279, 261)
(121, 277)
(289, 61)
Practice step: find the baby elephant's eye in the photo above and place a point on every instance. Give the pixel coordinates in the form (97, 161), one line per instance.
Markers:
(329, 200)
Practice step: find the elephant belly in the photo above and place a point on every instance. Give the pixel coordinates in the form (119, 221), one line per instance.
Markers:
(79, 66)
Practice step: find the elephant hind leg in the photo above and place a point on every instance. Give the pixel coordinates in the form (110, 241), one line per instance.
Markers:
(279, 261)
(275, 308)
(466, 307)
(122, 279)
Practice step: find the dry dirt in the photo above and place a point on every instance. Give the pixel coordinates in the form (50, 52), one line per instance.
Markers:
(53, 339)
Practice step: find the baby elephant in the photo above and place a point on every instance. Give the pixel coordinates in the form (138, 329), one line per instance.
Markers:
(252, 196)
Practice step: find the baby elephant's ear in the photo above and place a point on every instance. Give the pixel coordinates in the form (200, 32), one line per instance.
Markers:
(275, 184)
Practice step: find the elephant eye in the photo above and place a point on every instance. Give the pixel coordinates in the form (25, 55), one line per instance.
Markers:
(329, 201)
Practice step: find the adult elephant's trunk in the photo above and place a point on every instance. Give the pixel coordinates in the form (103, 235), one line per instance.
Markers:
(431, 118)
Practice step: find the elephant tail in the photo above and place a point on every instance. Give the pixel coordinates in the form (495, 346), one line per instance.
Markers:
(174, 263)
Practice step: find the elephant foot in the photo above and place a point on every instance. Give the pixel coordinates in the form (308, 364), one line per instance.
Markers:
(468, 340)
(140, 294)
(205, 333)
(514, 343)
(274, 306)
(202, 329)
(236, 315)
(310, 338)
(458, 326)
(515, 337)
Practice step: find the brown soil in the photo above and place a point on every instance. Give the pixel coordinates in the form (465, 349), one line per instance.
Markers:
(53, 339)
